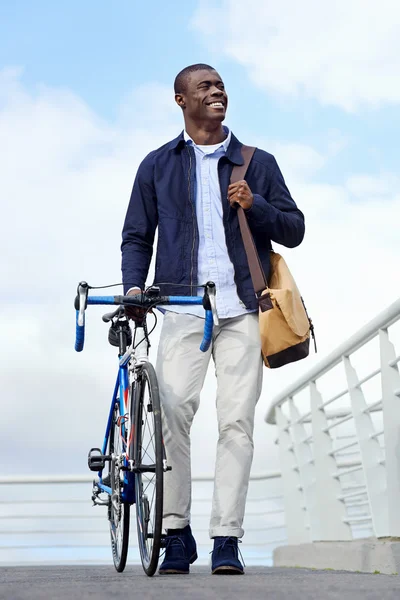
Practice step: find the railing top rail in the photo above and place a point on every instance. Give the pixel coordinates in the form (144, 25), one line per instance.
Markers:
(56, 479)
(386, 318)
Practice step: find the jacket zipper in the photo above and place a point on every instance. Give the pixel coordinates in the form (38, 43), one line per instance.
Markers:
(193, 221)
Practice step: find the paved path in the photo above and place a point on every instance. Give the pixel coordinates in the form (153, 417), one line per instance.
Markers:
(103, 583)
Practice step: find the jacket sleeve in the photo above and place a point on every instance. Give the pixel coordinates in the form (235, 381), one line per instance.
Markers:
(275, 213)
(139, 228)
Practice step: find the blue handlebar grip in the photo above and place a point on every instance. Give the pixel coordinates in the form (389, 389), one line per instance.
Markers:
(208, 329)
(80, 334)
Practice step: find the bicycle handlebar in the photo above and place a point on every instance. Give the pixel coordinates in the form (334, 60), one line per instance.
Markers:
(146, 301)
(208, 329)
(80, 334)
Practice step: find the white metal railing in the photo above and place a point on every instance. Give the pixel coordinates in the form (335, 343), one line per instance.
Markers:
(339, 439)
(50, 519)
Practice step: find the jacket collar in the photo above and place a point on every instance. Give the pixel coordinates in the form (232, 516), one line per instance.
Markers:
(233, 153)
(178, 141)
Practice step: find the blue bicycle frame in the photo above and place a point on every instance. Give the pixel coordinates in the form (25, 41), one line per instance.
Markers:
(121, 389)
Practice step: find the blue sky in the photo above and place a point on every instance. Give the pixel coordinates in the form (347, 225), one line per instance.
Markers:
(99, 50)
(86, 90)
(102, 51)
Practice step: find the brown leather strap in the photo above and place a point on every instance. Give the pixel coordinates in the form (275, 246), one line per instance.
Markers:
(256, 270)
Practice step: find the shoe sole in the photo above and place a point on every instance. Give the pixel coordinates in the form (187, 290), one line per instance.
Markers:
(173, 572)
(177, 571)
(227, 571)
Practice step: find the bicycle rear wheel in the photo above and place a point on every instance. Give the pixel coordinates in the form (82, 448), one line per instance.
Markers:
(118, 511)
(149, 458)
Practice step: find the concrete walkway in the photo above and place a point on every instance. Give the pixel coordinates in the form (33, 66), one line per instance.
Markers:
(101, 583)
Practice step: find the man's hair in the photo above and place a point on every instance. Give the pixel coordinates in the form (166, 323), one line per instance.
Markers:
(180, 84)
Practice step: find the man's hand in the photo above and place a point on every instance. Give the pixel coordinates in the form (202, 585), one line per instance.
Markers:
(240, 193)
(136, 313)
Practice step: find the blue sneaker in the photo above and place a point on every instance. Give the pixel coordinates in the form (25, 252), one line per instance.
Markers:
(180, 552)
(225, 559)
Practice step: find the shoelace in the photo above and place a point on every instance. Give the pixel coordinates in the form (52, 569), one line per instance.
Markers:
(171, 540)
(230, 541)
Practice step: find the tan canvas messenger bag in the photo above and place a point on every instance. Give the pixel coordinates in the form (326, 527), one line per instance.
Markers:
(285, 327)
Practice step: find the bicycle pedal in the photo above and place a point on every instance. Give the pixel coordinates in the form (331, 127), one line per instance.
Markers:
(96, 460)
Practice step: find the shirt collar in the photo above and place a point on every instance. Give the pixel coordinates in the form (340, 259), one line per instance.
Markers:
(224, 144)
(233, 154)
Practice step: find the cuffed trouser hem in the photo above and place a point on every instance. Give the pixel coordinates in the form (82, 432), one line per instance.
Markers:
(171, 523)
(226, 532)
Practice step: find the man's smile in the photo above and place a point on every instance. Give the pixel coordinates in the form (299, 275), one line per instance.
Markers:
(216, 104)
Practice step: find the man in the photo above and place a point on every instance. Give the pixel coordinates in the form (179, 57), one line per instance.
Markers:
(183, 189)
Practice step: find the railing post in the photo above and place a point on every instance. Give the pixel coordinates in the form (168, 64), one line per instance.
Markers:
(390, 379)
(332, 511)
(296, 517)
(371, 453)
(305, 462)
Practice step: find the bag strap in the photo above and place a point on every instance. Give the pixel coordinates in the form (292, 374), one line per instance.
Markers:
(256, 270)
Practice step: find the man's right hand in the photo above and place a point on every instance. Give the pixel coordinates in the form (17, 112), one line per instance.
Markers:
(136, 313)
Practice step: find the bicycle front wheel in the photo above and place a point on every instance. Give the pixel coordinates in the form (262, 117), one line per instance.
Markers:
(149, 458)
(118, 511)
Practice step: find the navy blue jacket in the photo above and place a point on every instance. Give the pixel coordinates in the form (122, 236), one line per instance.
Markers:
(163, 195)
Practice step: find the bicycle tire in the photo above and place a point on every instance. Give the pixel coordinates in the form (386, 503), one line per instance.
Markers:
(150, 465)
(118, 511)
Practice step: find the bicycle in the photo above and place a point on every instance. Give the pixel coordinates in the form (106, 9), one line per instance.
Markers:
(133, 449)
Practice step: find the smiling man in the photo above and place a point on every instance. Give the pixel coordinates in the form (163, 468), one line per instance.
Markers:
(183, 188)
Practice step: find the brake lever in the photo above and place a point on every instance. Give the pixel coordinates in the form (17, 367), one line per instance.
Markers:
(81, 300)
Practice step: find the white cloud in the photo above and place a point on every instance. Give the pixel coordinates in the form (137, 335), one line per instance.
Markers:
(366, 188)
(301, 161)
(66, 181)
(65, 184)
(344, 53)
(65, 190)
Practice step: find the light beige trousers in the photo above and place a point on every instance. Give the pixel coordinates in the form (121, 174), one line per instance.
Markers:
(181, 370)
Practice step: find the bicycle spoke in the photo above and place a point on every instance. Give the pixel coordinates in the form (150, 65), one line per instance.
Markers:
(148, 427)
(145, 450)
(151, 439)
(150, 458)
(152, 500)
(147, 486)
(118, 511)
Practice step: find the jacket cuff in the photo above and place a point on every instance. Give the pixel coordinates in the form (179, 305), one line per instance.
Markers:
(260, 209)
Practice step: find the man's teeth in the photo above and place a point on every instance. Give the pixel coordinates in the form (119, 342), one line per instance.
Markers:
(216, 104)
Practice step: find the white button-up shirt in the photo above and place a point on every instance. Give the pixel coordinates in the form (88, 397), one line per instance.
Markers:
(214, 263)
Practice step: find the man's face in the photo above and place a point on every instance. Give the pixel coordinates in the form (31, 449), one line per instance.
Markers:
(205, 98)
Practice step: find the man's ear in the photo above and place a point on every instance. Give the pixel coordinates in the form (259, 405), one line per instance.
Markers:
(179, 99)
